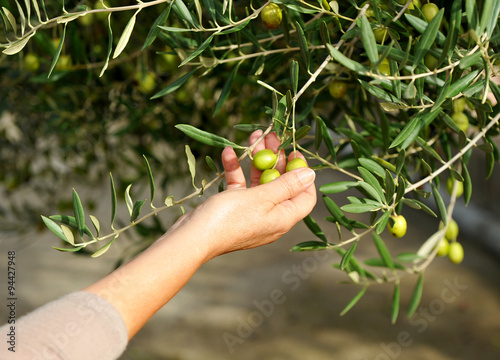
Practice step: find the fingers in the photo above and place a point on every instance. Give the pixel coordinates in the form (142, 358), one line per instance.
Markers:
(234, 174)
(289, 185)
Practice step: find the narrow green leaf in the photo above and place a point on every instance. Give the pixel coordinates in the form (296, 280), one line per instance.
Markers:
(421, 26)
(490, 163)
(68, 234)
(198, 51)
(493, 18)
(304, 49)
(337, 187)
(314, 227)
(461, 84)
(471, 14)
(382, 222)
(125, 37)
(337, 214)
(470, 60)
(395, 303)
(417, 295)
(154, 30)
(345, 61)
(151, 181)
(417, 204)
(400, 161)
(206, 137)
(360, 208)
(294, 76)
(211, 164)
(58, 51)
(191, 160)
(226, 89)
(71, 222)
(485, 16)
(400, 191)
(17, 46)
(175, 85)
(347, 256)
(128, 200)
(383, 251)
(380, 93)
(183, 13)
(368, 39)
(427, 38)
(439, 203)
(236, 28)
(105, 248)
(79, 213)
(408, 132)
(136, 210)
(453, 29)
(327, 138)
(390, 186)
(110, 46)
(54, 228)
(467, 183)
(74, 249)
(353, 302)
(309, 245)
(408, 257)
(373, 166)
(96, 223)
(113, 200)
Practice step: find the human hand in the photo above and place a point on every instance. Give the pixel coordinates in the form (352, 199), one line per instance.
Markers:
(243, 218)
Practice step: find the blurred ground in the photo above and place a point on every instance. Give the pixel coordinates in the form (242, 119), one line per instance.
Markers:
(269, 303)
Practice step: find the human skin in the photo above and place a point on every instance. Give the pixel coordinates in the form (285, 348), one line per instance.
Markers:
(236, 219)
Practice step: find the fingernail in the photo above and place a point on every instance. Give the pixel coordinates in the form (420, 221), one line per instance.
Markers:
(306, 175)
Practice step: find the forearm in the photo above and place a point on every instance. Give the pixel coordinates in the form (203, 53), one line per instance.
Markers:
(144, 285)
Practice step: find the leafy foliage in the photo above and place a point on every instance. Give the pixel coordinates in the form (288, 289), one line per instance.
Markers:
(392, 135)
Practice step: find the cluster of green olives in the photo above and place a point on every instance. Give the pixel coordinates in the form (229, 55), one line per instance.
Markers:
(458, 115)
(397, 226)
(266, 159)
(449, 246)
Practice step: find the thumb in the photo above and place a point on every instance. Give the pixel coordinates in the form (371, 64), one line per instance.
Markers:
(288, 185)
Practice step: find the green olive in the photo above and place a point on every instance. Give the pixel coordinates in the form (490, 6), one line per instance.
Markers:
(87, 19)
(449, 186)
(31, 63)
(337, 89)
(101, 5)
(430, 61)
(430, 10)
(64, 63)
(461, 120)
(456, 252)
(380, 34)
(269, 175)
(399, 228)
(271, 16)
(413, 4)
(146, 82)
(264, 159)
(443, 247)
(384, 68)
(459, 104)
(452, 230)
(295, 164)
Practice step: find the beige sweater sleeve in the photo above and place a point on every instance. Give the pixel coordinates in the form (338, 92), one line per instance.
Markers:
(80, 325)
